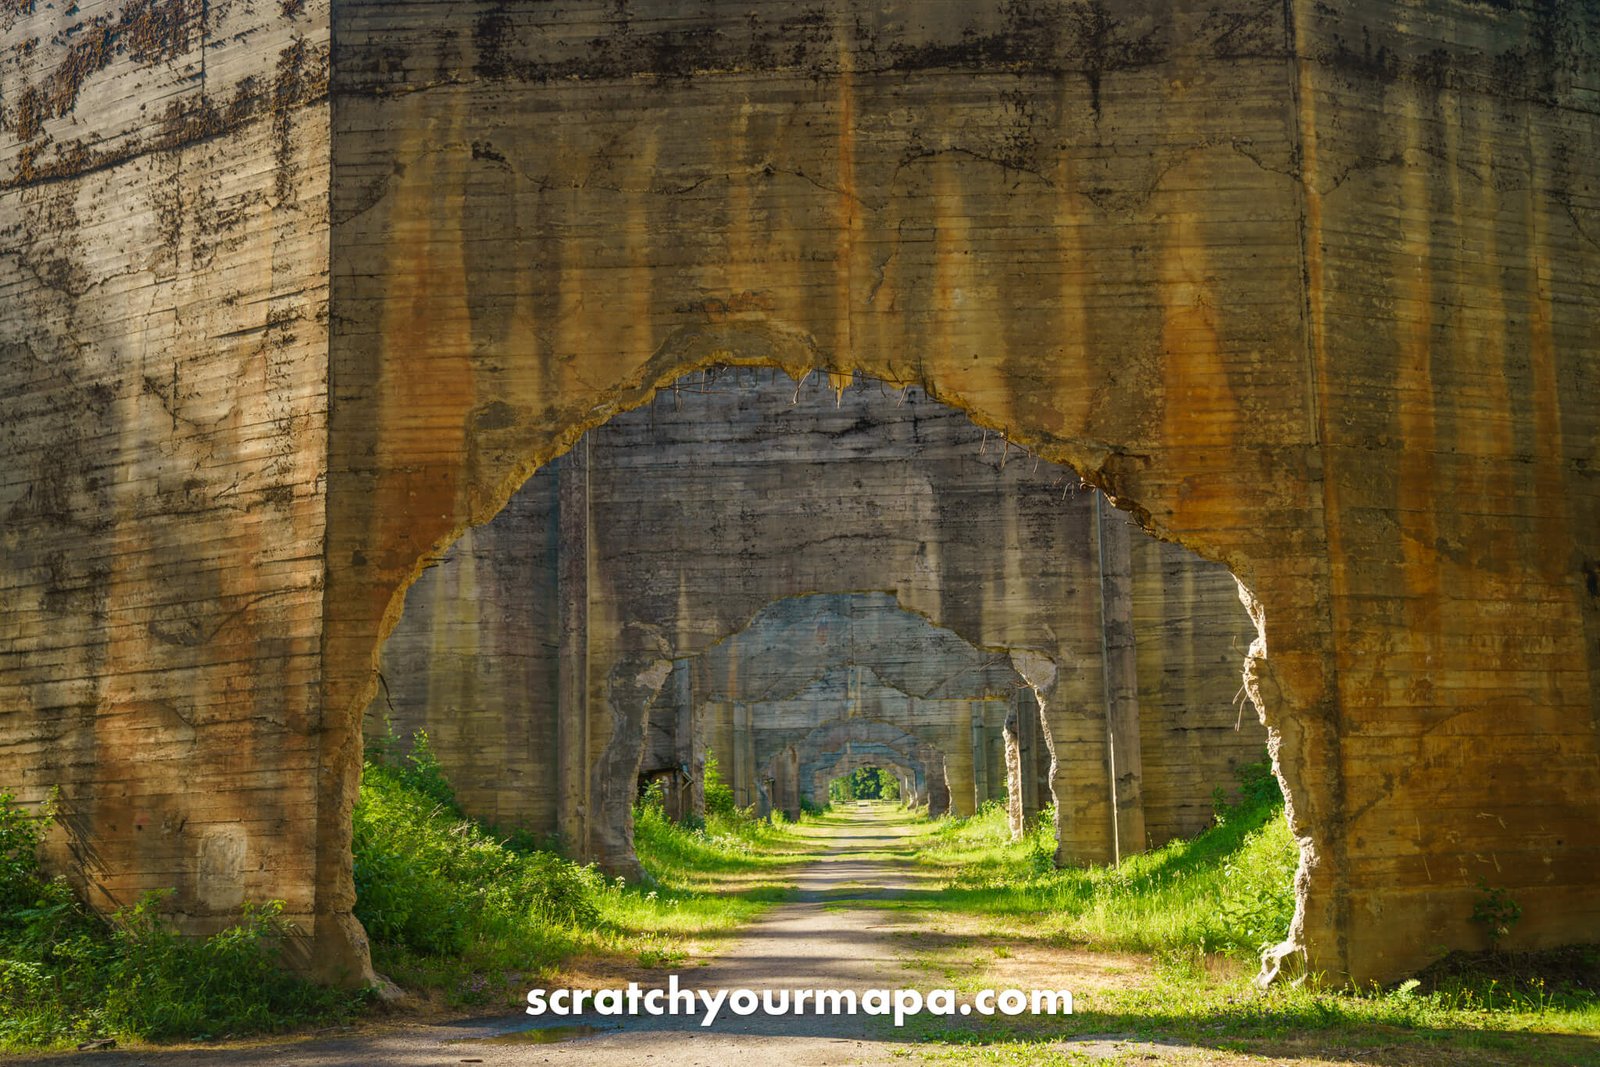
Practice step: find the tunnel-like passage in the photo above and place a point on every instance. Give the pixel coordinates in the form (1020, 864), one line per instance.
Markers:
(806, 661)
(835, 749)
(661, 591)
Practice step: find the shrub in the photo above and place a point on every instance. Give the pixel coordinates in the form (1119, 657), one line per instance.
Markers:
(66, 974)
(451, 905)
(1228, 889)
(719, 794)
(431, 882)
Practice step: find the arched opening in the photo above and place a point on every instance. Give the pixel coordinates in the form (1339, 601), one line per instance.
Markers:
(814, 760)
(674, 570)
(855, 776)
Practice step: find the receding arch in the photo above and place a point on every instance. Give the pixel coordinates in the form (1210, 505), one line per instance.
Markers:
(867, 741)
(650, 647)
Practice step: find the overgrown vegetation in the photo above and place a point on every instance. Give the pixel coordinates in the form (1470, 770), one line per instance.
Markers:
(1228, 889)
(445, 903)
(466, 917)
(457, 914)
(1469, 1017)
(718, 793)
(1189, 908)
(68, 976)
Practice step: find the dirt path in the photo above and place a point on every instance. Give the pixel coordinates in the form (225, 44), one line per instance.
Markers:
(807, 942)
(816, 940)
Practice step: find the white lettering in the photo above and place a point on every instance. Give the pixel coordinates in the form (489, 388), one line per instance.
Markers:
(713, 1005)
(906, 1002)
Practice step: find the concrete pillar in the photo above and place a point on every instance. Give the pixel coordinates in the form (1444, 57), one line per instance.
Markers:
(1120, 659)
(980, 754)
(994, 748)
(1036, 757)
(764, 801)
(1014, 770)
(690, 772)
(938, 787)
(572, 684)
(747, 749)
(786, 782)
(739, 773)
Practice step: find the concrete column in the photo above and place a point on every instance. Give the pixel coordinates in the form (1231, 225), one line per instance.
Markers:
(690, 772)
(739, 773)
(958, 773)
(747, 749)
(1120, 658)
(572, 682)
(938, 787)
(782, 789)
(994, 748)
(980, 755)
(764, 801)
(1014, 770)
(789, 775)
(1035, 758)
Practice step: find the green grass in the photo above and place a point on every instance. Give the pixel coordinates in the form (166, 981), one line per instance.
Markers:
(457, 914)
(709, 881)
(67, 975)
(1228, 889)
(451, 908)
(1221, 894)
(1186, 1005)
(467, 918)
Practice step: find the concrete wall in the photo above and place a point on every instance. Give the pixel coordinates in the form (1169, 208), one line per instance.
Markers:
(1306, 287)
(164, 259)
(475, 663)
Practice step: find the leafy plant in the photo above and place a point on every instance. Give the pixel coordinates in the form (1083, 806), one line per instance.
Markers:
(1496, 912)
(864, 783)
(718, 793)
(431, 882)
(1257, 787)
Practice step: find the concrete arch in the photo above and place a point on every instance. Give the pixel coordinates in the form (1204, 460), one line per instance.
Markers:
(923, 744)
(1252, 325)
(680, 537)
(831, 739)
(825, 630)
(817, 753)
(847, 760)
(816, 662)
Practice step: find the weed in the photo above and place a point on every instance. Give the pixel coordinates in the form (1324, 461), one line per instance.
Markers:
(1228, 889)
(1496, 912)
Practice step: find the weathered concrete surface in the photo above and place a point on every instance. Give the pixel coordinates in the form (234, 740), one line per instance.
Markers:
(164, 252)
(1307, 287)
